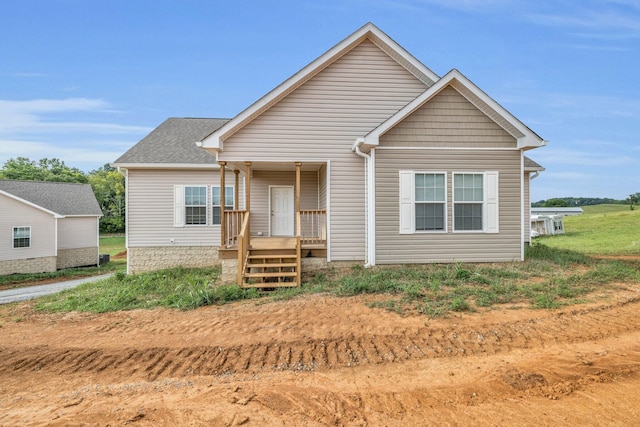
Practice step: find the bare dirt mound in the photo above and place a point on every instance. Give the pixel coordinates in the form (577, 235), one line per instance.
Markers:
(322, 361)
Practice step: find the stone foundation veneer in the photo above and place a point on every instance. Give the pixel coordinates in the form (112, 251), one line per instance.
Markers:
(142, 259)
(28, 265)
(78, 257)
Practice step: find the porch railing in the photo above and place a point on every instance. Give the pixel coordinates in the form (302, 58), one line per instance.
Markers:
(233, 221)
(243, 247)
(312, 226)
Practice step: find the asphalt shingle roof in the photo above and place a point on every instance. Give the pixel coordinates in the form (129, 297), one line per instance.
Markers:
(173, 142)
(531, 165)
(60, 197)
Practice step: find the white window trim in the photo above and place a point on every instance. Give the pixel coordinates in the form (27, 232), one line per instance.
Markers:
(454, 203)
(407, 184)
(179, 206)
(490, 207)
(206, 206)
(232, 187)
(13, 239)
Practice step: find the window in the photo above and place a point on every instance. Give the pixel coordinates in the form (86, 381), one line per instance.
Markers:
(21, 237)
(468, 201)
(424, 202)
(430, 200)
(215, 202)
(195, 205)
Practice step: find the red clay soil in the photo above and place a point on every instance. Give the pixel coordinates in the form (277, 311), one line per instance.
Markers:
(320, 360)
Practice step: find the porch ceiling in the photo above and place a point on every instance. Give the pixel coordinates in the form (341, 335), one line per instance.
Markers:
(275, 166)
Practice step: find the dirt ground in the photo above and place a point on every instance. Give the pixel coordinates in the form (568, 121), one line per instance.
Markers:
(320, 360)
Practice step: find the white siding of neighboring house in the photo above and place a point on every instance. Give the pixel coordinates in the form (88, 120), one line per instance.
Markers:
(422, 247)
(320, 120)
(150, 209)
(18, 214)
(77, 232)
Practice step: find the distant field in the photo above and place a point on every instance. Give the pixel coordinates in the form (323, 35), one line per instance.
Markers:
(602, 209)
(602, 229)
(111, 245)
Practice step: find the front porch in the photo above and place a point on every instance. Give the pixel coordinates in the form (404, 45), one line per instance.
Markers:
(262, 245)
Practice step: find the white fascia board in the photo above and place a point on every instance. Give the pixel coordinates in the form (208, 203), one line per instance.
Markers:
(215, 139)
(203, 166)
(530, 139)
(33, 205)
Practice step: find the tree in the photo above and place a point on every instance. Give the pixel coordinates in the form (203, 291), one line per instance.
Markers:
(633, 199)
(555, 203)
(44, 170)
(108, 187)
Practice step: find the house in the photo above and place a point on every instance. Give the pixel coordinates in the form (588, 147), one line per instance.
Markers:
(550, 221)
(47, 226)
(363, 156)
(562, 211)
(543, 225)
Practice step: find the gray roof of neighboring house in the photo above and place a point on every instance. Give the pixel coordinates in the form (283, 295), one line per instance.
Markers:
(63, 198)
(531, 165)
(173, 142)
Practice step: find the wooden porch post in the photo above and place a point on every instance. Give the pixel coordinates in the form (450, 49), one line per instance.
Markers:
(247, 195)
(223, 231)
(236, 191)
(297, 198)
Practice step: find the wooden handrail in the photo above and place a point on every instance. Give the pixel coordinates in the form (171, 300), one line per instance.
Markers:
(232, 220)
(243, 247)
(312, 226)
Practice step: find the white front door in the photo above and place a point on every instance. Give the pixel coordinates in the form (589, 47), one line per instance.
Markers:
(282, 211)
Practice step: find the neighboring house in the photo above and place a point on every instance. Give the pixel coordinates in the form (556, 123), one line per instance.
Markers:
(365, 155)
(557, 211)
(542, 225)
(47, 226)
(550, 221)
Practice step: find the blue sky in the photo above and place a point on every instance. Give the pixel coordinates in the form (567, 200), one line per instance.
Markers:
(84, 80)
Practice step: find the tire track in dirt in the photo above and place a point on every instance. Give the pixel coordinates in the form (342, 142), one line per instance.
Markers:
(311, 354)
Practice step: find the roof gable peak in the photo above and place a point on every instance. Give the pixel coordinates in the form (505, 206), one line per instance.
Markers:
(367, 32)
(525, 137)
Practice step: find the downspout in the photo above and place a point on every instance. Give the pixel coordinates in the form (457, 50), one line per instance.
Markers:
(369, 240)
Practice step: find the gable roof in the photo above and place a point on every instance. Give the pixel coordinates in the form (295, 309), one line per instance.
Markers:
(58, 198)
(531, 166)
(367, 32)
(173, 144)
(526, 138)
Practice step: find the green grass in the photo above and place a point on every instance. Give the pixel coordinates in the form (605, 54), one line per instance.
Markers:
(558, 271)
(176, 288)
(112, 244)
(603, 229)
(549, 278)
(108, 244)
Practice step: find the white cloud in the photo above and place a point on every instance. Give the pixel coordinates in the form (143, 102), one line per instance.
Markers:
(80, 131)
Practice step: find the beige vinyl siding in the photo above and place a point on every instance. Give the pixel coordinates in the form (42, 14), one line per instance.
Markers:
(18, 214)
(421, 247)
(260, 183)
(77, 232)
(448, 120)
(320, 120)
(150, 208)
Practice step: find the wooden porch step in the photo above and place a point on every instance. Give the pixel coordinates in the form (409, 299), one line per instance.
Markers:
(273, 265)
(271, 256)
(272, 274)
(271, 285)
